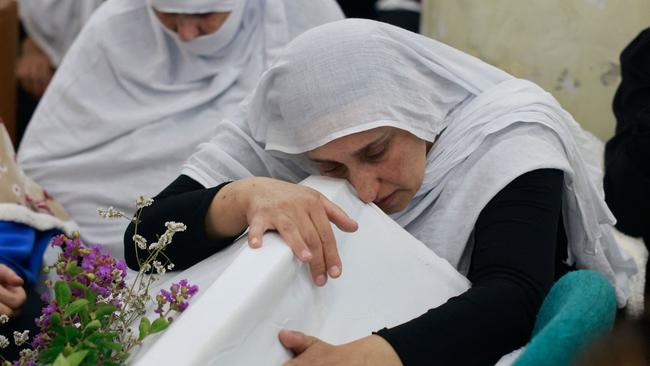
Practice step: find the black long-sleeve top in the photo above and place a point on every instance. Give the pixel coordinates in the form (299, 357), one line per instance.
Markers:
(627, 154)
(519, 247)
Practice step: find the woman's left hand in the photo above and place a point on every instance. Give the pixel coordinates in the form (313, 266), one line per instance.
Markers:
(372, 350)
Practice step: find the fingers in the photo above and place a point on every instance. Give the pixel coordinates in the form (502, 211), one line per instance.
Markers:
(13, 297)
(338, 217)
(296, 342)
(327, 241)
(9, 277)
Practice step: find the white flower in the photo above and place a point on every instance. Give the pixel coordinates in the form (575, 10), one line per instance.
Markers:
(175, 226)
(146, 267)
(170, 266)
(110, 213)
(27, 354)
(140, 241)
(20, 338)
(4, 342)
(4, 318)
(160, 269)
(143, 202)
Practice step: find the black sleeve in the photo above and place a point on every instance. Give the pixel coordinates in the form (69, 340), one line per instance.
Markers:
(186, 201)
(627, 154)
(512, 270)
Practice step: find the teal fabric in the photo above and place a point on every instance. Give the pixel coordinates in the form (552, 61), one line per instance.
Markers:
(580, 307)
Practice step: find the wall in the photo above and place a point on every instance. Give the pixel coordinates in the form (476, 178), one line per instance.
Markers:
(569, 47)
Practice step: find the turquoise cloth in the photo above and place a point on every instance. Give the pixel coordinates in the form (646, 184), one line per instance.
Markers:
(580, 307)
(22, 248)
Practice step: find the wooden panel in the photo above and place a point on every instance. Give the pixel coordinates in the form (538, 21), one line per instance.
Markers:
(8, 46)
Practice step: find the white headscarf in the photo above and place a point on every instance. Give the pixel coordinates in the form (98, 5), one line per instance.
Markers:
(54, 24)
(355, 75)
(131, 102)
(194, 6)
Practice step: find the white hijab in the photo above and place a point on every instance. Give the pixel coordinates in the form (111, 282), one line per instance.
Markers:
(131, 102)
(54, 24)
(355, 75)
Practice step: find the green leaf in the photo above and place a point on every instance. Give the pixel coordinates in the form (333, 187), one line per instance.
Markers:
(78, 285)
(62, 293)
(103, 310)
(75, 307)
(73, 269)
(111, 345)
(55, 320)
(72, 334)
(76, 358)
(145, 326)
(158, 325)
(92, 326)
(61, 361)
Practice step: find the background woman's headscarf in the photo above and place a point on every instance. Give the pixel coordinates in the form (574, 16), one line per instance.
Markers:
(131, 101)
(54, 24)
(355, 75)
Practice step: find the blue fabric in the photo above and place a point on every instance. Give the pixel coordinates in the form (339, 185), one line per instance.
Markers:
(580, 307)
(22, 248)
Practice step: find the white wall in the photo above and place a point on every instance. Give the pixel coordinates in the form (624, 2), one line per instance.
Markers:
(569, 47)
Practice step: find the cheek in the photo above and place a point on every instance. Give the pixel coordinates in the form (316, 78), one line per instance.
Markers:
(407, 169)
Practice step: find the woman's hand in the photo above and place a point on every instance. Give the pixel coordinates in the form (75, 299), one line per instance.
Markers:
(12, 294)
(369, 351)
(33, 69)
(301, 215)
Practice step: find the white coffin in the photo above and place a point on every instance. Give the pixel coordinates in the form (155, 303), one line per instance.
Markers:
(247, 295)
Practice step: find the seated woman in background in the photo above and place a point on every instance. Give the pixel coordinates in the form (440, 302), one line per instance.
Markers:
(481, 167)
(627, 171)
(142, 86)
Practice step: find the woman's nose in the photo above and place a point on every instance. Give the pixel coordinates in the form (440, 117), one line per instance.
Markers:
(187, 28)
(367, 185)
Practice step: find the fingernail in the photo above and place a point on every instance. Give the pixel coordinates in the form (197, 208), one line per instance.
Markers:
(254, 242)
(334, 271)
(320, 280)
(305, 255)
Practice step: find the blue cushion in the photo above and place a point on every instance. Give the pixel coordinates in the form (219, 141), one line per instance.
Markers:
(580, 307)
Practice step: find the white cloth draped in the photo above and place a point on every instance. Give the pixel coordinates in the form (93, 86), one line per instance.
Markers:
(354, 75)
(54, 24)
(131, 103)
(195, 6)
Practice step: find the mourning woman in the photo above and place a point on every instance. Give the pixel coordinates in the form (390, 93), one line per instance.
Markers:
(483, 168)
(144, 83)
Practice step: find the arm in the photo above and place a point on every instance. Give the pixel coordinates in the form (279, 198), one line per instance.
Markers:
(184, 200)
(512, 270)
(216, 216)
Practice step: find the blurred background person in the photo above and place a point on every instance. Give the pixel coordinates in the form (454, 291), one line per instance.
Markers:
(627, 154)
(145, 82)
(47, 30)
(402, 13)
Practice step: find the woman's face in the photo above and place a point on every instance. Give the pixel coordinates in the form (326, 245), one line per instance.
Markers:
(190, 26)
(385, 165)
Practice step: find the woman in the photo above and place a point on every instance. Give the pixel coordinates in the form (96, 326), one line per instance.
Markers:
(143, 85)
(483, 168)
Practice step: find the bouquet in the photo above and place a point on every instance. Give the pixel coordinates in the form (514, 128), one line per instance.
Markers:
(92, 318)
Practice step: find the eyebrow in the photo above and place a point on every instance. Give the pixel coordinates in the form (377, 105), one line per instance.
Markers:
(363, 150)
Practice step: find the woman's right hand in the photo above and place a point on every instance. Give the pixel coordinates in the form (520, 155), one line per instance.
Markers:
(301, 215)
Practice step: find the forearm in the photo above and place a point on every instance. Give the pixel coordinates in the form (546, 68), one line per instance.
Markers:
(512, 270)
(189, 206)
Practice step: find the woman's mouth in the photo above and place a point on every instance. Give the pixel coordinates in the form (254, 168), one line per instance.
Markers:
(385, 201)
